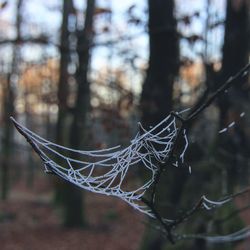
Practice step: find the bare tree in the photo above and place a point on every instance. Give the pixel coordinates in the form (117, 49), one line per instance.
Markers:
(158, 149)
(156, 97)
(63, 86)
(157, 92)
(236, 51)
(119, 160)
(74, 197)
(8, 104)
(71, 198)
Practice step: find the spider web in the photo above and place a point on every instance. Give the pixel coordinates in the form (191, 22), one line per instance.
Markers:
(104, 171)
(236, 236)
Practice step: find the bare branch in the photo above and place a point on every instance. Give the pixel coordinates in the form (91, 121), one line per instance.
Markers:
(164, 160)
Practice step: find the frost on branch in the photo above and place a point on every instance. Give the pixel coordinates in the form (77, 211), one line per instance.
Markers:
(104, 171)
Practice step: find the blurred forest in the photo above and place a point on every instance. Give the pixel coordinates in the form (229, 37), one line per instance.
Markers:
(83, 74)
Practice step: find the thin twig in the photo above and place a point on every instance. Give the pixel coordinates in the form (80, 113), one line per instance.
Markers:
(168, 226)
(243, 72)
(160, 220)
(184, 123)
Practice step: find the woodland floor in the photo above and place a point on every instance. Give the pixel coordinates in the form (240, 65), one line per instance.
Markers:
(28, 221)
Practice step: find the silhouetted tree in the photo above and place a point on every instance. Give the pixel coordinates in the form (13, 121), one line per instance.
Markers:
(235, 56)
(8, 105)
(157, 92)
(73, 196)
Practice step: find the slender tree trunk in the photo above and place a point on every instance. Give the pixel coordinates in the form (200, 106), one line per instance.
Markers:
(237, 40)
(63, 86)
(85, 38)
(74, 201)
(6, 141)
(69, 196)
(235, 49)
(235, 56)
(9, 109)
(63, 91)
(156, 97)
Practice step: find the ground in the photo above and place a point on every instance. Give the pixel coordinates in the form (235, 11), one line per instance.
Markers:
(29, 221)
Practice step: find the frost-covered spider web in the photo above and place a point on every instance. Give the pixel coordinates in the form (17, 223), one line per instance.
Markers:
(104, 171)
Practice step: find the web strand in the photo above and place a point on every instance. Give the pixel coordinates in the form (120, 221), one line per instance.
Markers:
(104, 171)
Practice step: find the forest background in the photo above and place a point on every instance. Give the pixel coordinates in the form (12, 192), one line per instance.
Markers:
(83, 74)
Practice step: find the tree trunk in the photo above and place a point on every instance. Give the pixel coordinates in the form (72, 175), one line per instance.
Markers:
(63, 87)
(235, 50)
(235, 56)
(157, 92)
(7, 136)
(69, 196)
(156, 97)
(237, 39)
(9, 109)
(74, 203)
(63, 92)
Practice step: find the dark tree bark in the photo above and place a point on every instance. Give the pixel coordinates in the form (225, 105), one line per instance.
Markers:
(237, 39)
(157, 92)
(85, 39)
(235, 56)
(9, 108)
(7, 137)
(63, 86)
(156, 97)
(74, 198)
(70, 197)
(235, 50)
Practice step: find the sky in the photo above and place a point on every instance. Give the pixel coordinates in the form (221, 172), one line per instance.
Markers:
(45, 16)
(41, 14)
